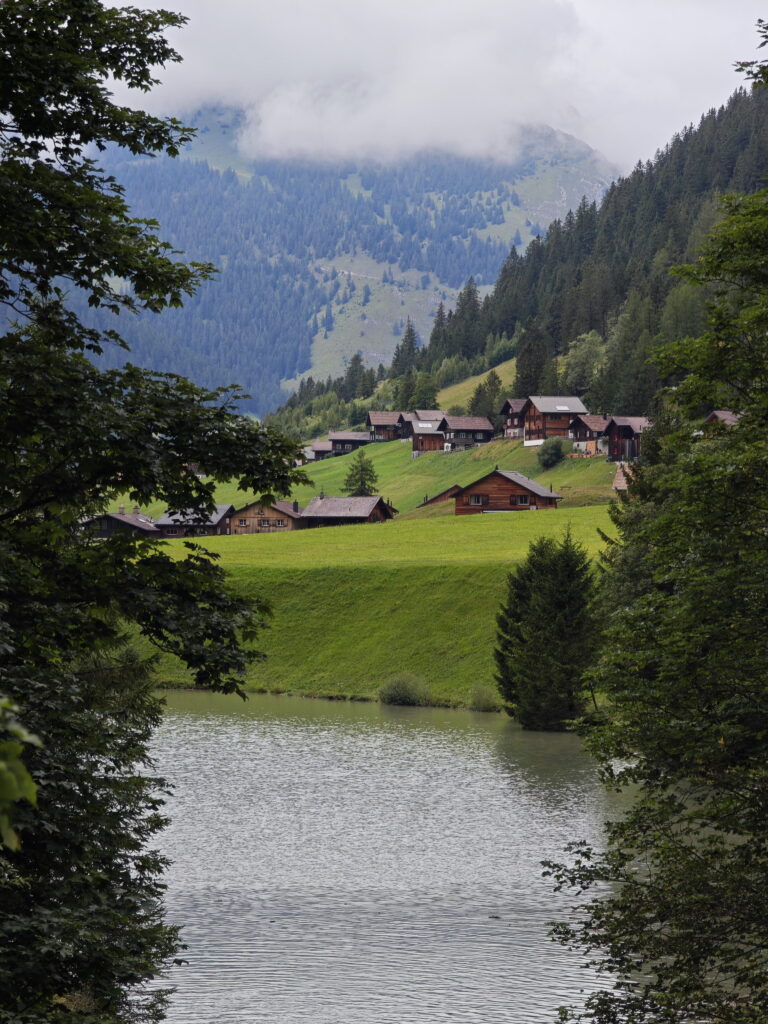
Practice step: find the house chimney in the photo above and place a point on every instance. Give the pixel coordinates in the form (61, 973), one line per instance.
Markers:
(295, 506)
(121, 510)
(136, 510)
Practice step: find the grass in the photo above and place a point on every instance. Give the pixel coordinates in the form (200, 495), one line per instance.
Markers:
(355, 606)
(404, 481)
(461, 393)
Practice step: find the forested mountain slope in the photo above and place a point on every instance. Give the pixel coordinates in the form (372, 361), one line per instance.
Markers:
(318, 261)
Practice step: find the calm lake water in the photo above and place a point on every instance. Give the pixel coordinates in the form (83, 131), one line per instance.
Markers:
(341, 863)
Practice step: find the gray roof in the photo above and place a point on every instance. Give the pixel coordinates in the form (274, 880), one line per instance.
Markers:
(557, 403)
(378, 418)
(342, 508)
(467, 423)
(138, 520)
(526, 482)
(430, 414)
(349, 435)
(189, 517)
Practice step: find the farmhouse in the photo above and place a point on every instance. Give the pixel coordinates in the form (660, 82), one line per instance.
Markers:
(109, 523)
(514, 420)
(384, 426)
(322, 511)
(624, 436)
(504, 491)
(589, 433)
(549, 416)
(462, 432)
(260, 518)
(345, 441)
(187, 524)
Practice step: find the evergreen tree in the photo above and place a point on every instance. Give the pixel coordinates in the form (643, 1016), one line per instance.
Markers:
(546, 635)
(361, 479)
(532, 358)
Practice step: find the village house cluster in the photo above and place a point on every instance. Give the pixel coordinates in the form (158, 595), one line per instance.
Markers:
(532, 419)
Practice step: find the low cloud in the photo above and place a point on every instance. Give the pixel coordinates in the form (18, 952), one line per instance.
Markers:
(345, 79)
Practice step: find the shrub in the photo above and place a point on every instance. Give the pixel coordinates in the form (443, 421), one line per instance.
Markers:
(484, 698)
(550, 453)
(404, 688)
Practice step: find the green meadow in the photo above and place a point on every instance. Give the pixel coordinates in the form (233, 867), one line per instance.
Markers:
(355, 605)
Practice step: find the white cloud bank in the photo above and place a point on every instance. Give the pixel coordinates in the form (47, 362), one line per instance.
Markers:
(382, 78)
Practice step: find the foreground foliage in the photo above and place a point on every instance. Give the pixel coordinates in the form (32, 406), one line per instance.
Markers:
(81, 926)
(680, 929)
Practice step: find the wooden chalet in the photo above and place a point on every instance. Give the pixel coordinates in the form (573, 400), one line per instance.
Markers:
(257, 517)
(589, 433)
(549, 416)
(424, 430)
(320, 450)
(725, 416)
(384, 426)
(624, 437)
(514, 419)
(503, 490)
(187, 524)
(345, 441)
(322, 511)
(107, 524)
(462, 432)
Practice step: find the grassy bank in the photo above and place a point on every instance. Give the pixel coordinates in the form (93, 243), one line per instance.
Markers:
(356, 605)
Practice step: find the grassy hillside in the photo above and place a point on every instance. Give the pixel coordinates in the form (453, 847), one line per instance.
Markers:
(404, 481)
(460, 394)
(355, 605)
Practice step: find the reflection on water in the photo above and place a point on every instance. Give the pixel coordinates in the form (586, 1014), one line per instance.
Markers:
(342, 863)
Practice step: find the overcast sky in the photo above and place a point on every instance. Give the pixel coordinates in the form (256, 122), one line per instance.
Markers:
(381, 78)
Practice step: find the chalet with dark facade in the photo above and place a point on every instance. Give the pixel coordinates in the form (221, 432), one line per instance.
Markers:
(549, 416)
(322, 511)
(345, 441)
(107, 524)
(589, 434)
(514, 419)
(384, 426)
(257, 517)
(624, 437)
(504, 491)
(462, 432)
(187, 524)
(318, 451)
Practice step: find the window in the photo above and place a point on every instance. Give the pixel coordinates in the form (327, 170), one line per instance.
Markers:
(479, 436)
(478, 499)
(242, 522)
(279, 522)
(264, 522)
(172, 532)
(520, 499)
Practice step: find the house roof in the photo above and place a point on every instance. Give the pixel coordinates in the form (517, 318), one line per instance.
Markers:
(426, 427)
(138, 520)
(513, 405)
(466, 423)
(635, 423)
(322, 446)
(283, 507)
(344, 508)
(593, 422)
(194, 518)
(445, 495)
(516, 478)
(557, 403)
(383, 419)
(524, 481)
(429, 414)
(726, 416)
(619, 478)
(349, 435)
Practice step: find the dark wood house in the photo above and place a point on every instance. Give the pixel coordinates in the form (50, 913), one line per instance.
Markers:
(345, 441)
(549, 416)
(186, 524)
(107, 524)
(384, 426)
(589, 433)
(514, 419)
(322, 511)
(624, 437)
(278, 517)
(504, 491)
(462, 432)
(724, 416)
(320, 450)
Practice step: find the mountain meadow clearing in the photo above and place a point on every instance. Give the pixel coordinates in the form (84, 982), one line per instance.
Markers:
(355, 606)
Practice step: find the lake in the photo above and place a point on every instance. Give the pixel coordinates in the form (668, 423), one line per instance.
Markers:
(351, 863)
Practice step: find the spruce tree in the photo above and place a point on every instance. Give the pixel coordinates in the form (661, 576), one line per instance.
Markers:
(361, 478)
